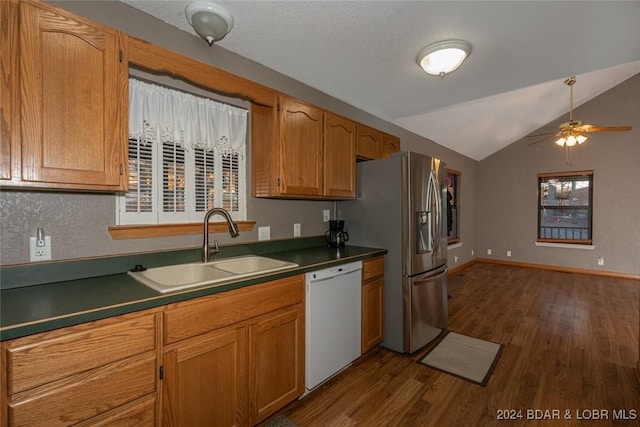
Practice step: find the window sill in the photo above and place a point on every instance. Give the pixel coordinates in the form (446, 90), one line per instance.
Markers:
(454, 244)
(119, 232)
(565, 245)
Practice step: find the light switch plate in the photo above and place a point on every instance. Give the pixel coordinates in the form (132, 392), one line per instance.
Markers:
(296, 230)
(264, 233)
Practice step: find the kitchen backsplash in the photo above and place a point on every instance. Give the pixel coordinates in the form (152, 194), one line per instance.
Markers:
(78, 225)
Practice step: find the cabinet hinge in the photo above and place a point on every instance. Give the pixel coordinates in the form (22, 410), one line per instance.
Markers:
(120, 55)
(161, 372)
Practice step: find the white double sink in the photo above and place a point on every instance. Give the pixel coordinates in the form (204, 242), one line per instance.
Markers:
(184, 276)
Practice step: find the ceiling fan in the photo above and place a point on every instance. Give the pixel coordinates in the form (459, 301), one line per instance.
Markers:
(572, 132)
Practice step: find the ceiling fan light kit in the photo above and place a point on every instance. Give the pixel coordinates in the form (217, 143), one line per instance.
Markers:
(443, 57)
(211, 21)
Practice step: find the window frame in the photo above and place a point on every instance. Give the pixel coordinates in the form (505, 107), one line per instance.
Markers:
(191, 214)
(543, 229)
(455, 177)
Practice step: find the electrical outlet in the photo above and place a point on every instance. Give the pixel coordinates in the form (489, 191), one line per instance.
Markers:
(296, 230)
(264, 233)
(40, 253)
(600, 260)
(455, 259)
(488, 251)
(508, 253)
(326, 215)
(472, 252)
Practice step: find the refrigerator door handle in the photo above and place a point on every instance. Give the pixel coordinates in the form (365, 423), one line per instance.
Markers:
(438, 209)
(425, 277)
(433, 203)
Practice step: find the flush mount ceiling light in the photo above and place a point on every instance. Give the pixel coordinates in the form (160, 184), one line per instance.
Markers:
(443, 57)
(211, 21)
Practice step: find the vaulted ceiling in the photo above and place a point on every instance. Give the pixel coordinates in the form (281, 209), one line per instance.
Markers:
(364, 53)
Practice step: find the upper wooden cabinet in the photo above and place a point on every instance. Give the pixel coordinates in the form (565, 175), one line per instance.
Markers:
(369, 143)
(301, 147)
(390, 145)
(339, 157)
(70, 91)
(373, 144)
(301, 151)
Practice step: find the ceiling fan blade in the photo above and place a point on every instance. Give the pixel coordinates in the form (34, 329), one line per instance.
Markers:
(594, 128)
(546, 134)
(542, 137)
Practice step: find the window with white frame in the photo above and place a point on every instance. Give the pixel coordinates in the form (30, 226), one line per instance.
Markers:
(186, 156)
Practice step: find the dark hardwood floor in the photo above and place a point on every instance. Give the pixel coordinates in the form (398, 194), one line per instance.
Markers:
(570, 351)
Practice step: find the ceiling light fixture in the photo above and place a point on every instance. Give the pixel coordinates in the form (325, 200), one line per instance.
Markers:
(443, 57)
(211, 21)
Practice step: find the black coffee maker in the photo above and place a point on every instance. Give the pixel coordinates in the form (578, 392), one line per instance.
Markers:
(336, 236)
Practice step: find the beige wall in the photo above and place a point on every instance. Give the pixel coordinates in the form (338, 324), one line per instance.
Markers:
(498, 198)
(78, 222)
(507, 191)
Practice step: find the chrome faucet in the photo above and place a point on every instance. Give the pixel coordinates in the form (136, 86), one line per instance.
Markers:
(233, 230)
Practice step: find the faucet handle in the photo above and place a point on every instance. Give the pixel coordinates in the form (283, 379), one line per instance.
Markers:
(215, 249)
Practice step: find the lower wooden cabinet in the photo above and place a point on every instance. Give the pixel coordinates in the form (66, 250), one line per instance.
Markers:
(96, 373)
(372, 303)
(204, 380)
(229, 359)
(234, 358)
(276, 360)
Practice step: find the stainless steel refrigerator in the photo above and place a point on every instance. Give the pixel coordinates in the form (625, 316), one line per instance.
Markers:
(401, 206)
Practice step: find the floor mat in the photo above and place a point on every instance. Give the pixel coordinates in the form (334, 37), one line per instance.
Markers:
(466, 357)
(281, 421)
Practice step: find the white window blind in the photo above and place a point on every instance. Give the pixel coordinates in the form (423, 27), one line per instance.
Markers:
(186, 156)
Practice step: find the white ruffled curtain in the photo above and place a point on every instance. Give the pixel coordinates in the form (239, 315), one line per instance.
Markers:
(158, 114)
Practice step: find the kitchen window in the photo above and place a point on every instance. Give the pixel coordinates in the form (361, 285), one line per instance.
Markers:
(453, 206)
(186, 156)
(565, 207)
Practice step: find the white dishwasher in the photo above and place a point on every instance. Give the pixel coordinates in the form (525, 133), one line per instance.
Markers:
(333, 321)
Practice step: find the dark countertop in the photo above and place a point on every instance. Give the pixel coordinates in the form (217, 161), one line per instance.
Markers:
(42, 307)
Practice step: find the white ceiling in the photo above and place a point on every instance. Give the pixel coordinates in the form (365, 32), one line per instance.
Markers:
(364, 53)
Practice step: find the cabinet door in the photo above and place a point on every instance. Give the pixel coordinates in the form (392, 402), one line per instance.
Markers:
(390, 145)
(276, 360)
(8, 85)
(339, 157)
(73, 80)
(372, 314)
(205, 380)
(369, 141)
(300, 135)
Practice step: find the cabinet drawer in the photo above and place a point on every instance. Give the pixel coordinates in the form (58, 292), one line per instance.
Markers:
(139, 413)
(49, 356)
(86, 395)
(372, 268)
(190, 318)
